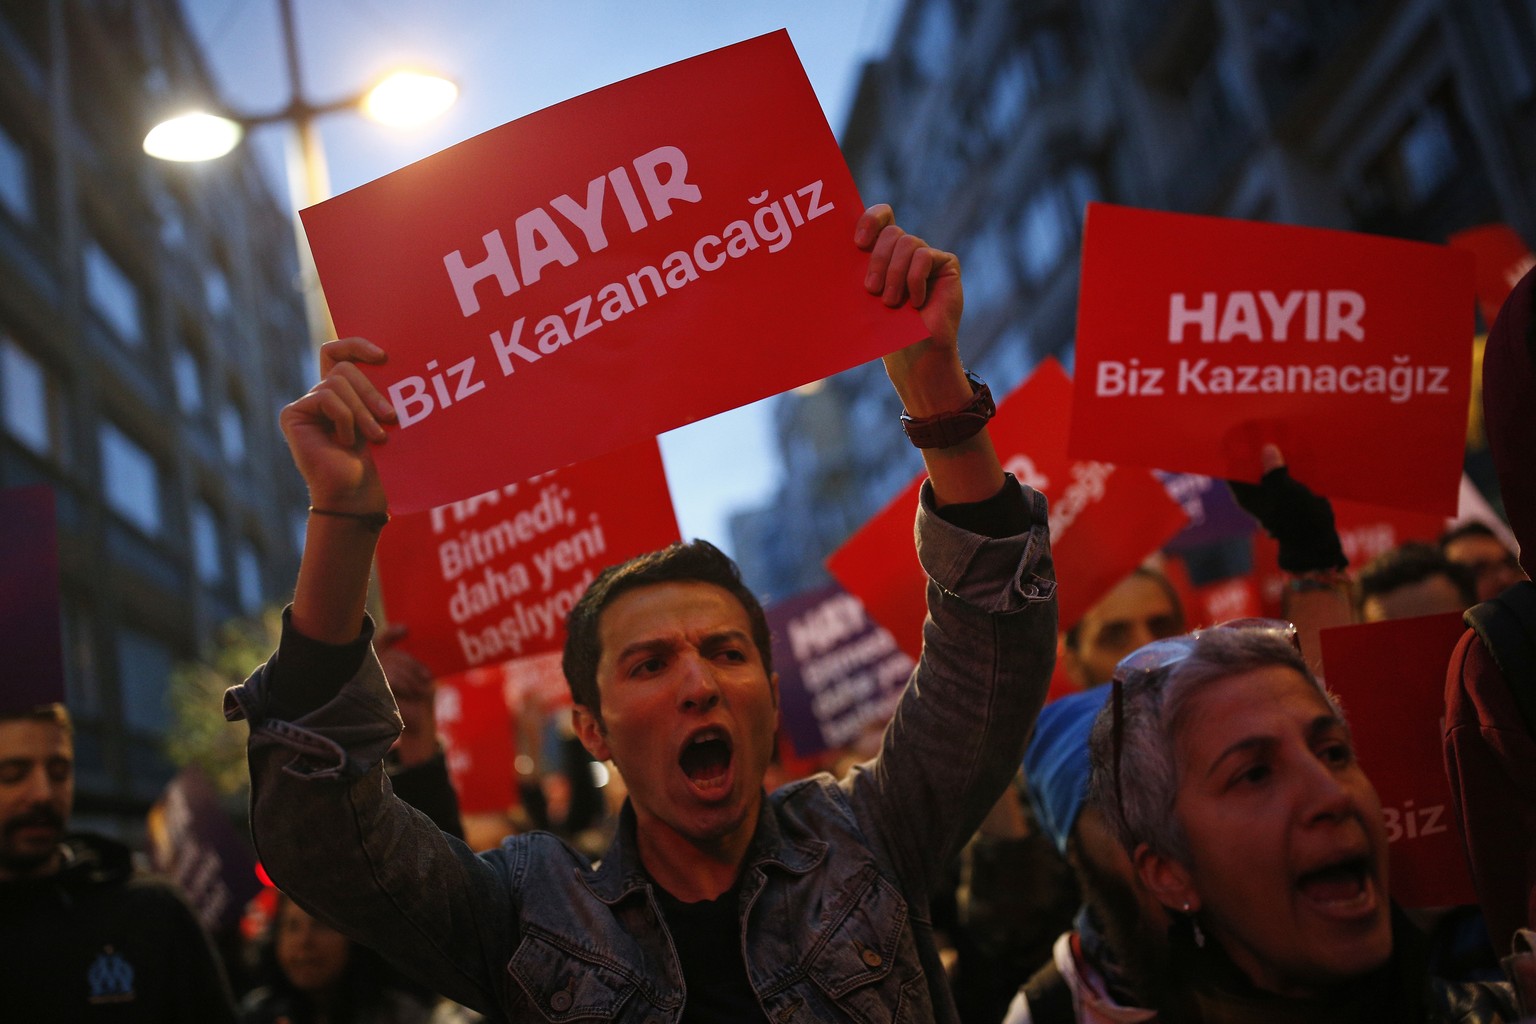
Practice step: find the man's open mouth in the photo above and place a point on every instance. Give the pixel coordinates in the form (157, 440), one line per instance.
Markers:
(706, 758)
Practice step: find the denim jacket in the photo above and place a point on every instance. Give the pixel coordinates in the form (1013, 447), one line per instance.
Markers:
(834, 894)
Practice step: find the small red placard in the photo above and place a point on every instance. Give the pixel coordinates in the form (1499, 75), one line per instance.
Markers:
(1200, 340)
(1390, 678)
(491, 578)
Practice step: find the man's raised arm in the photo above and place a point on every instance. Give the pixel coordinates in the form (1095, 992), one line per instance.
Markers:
(929, 376)
(330, 432)
(323, 719)
(989, 640)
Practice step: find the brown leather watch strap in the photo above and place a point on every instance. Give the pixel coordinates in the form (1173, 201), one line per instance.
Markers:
(944, 429)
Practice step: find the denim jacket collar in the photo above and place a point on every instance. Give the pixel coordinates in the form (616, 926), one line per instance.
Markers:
(620, 872)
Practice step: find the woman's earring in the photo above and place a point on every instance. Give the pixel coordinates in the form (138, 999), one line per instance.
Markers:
(1195, 924)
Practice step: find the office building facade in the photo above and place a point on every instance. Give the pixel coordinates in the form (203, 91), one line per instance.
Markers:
(991, 123)
(150, 330)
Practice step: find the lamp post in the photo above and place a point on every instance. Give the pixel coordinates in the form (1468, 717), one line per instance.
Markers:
(402, 99)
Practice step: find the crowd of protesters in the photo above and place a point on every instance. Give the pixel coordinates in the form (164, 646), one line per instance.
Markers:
(1187, 835)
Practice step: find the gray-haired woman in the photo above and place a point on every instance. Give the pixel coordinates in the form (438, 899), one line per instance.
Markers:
(1229, 775)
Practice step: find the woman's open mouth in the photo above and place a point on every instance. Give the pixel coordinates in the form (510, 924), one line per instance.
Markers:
(1345, 889)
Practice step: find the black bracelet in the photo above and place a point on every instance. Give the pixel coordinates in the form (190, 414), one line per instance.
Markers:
(374, 521)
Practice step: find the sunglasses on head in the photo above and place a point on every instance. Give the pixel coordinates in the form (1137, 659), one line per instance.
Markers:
(1150, 663)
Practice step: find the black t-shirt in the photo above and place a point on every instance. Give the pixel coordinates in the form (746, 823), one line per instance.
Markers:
(707, 935)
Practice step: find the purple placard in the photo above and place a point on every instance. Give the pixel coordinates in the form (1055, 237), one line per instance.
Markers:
(1214, 515)
(193, 840)
(839, 673)
(30, 632)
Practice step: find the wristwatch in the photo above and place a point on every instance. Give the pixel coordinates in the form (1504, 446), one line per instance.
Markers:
(944, 429)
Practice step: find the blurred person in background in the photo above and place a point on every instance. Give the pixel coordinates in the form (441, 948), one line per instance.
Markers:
(1493, 566)
(1108, 966)
(312, 974)
(1015, 894)
(1139, 609)
(1490, 715)
(1413, 579)
(82, 936)
(417, 764)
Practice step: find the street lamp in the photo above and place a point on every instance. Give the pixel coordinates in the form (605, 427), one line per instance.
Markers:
(403, 99)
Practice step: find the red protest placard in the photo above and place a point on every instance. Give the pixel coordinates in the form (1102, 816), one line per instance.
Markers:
(604, 270)
(491, 578)
(1224, 600)
(1390, 678)
(1502, 259)
(1200, 340)
(1104, 520)
(536, 685)
(478, 732)
(30, 609)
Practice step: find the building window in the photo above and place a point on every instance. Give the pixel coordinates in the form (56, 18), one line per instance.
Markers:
(1051, 58)
(1409, 174)
(934, 39)
(1082, 186)
(15, 178)
(144, 664)
(1428, 156)
(216, 291)
(188, 375)
(207, 552)
(173, 229)
(1007, 361)
(942, 171)
(232, 434)
(1007, 97)
(989, 275)
(131, 480)
(113, 295)
(248, 577)
(1043, 234)
(29, 402)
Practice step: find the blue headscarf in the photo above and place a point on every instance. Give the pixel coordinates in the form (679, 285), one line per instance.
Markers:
(1056, 763)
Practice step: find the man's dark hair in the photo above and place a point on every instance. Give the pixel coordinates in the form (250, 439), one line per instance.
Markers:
(696, 561)
(1409, 563)
(58, 714)
(1470, 528)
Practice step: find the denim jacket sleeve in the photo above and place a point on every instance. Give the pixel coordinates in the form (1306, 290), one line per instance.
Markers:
(376, 869)
(958, 735)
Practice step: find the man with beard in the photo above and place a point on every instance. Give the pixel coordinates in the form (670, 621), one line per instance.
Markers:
(81, 937)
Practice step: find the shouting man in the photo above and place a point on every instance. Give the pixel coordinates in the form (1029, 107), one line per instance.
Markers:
(717, 901)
